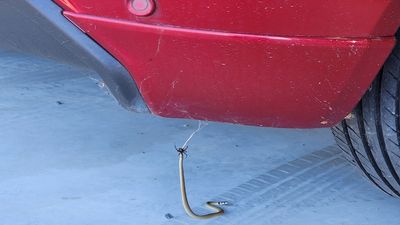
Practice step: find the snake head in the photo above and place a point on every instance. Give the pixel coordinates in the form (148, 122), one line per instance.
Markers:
(223, 203)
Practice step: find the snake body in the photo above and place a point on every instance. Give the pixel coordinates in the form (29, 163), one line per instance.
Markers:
(185, 202)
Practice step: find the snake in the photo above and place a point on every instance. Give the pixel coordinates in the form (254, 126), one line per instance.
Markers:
(210, 204)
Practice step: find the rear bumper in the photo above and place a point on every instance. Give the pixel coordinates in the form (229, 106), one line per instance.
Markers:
(242, 78)
(220, 75)
(38, 27)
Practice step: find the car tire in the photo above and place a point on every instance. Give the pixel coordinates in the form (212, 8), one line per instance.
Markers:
(370, 135)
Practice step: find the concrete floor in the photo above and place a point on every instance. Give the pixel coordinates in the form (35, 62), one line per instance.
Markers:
(70, 155)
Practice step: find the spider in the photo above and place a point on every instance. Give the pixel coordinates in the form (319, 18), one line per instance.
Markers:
(182, 150)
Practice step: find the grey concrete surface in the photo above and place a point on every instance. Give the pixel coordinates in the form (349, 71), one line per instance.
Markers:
(70, 155)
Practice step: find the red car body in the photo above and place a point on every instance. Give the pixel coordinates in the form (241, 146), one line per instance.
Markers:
(272, 63)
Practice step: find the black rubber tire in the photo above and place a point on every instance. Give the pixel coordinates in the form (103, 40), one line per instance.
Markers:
(370, 135)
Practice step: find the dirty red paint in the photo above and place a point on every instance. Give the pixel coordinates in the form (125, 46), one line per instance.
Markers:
(229, 70)
(333, 18)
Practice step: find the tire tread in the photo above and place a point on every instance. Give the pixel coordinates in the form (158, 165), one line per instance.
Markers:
(370, 138)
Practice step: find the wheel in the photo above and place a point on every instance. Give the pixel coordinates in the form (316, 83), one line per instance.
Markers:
(370, 135)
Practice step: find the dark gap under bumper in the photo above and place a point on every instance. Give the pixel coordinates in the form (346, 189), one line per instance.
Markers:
(38, 27)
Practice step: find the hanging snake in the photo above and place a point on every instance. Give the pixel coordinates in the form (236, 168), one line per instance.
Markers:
(186, 206)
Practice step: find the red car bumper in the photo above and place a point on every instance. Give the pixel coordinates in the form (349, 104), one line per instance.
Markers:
(310, 69)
